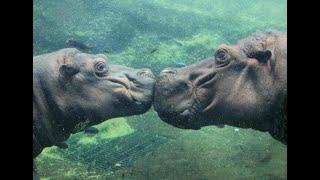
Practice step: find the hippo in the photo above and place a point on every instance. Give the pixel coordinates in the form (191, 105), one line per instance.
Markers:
(242, 85)
(73, 90)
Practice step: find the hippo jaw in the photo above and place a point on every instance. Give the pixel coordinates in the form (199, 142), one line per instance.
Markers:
(178, 95)
(133, 89)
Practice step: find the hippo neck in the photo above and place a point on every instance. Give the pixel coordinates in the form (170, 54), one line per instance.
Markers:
(48, 118)
(54, 120)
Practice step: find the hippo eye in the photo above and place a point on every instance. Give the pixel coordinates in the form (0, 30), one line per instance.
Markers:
(101, 68)
(221, 56)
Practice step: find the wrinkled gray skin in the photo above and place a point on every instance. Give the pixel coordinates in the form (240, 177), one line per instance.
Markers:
(73, 90)
(242, 85)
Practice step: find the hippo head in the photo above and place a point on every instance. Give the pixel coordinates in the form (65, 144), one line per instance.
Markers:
(104, 90)
(241, 85)
(80, 87)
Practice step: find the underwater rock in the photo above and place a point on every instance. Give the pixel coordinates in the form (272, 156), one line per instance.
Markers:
(243, 85)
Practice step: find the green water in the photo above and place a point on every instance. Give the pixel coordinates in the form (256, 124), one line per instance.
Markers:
(144, 147)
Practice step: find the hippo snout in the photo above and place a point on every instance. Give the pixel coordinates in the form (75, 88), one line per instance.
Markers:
(145, 73)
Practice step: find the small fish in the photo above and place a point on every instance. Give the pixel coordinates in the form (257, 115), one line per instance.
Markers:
(91, 130)
(151, 51)
(178, 42)
(78, 44)
(179, 65)
(241, 148)
(106, 52)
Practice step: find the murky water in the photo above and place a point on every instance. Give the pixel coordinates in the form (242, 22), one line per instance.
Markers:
(158, 34)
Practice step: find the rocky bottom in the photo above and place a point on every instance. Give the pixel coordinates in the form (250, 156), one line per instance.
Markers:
(134, 148)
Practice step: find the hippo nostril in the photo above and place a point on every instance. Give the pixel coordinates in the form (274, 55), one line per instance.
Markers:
(169, 71)
(145, 73)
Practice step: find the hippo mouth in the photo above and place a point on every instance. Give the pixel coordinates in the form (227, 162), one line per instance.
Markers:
(119, 82)
(187, 118)
(205, 81)
(203, 91)
(190, 117)
(131, 94)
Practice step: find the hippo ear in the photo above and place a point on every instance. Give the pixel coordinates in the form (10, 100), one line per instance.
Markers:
(261, 56)
(69, 70)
